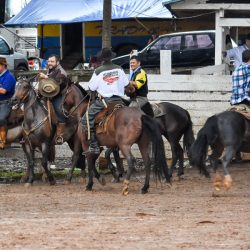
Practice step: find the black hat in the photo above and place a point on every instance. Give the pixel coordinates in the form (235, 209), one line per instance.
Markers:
(106, 54)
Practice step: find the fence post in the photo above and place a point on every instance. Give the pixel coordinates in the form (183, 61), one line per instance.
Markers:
(165, 62)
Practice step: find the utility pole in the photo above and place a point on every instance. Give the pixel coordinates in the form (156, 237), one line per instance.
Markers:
(106, 24)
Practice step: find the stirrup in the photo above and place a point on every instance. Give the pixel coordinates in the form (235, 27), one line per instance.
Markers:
(94, 149)
(59, 140)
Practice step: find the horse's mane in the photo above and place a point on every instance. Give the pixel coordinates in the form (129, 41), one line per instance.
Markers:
(83, 91)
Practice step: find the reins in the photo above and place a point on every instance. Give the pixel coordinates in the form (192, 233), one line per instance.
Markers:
(72, 110)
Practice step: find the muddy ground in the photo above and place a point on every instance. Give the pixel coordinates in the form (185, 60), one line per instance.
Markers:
(185, 216)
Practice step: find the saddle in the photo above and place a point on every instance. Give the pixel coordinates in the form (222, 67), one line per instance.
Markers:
(242, 109)
(15, 118)
(158, 111)
(102, 118)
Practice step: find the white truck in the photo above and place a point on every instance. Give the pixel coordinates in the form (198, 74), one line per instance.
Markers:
(18, 44)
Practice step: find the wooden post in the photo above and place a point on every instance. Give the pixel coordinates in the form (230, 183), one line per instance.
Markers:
(218, 37)
(165, 62)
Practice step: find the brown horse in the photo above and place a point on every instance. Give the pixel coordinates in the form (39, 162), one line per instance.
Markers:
(125, 127)
(74, 105)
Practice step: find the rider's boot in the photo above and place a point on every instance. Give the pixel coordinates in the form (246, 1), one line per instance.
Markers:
(93, 146)
(3, 137)
(59, 133)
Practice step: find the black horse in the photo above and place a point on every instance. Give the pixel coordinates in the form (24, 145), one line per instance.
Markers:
(226, 132)
(174, 122)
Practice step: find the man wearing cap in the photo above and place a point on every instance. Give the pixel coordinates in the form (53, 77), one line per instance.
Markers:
(236, 53)
(109, 81)
(58, 74)
(7, 89)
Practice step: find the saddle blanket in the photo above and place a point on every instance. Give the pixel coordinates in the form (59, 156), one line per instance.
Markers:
(241, 108)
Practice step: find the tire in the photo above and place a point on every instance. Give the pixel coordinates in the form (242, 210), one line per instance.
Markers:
(21, 68)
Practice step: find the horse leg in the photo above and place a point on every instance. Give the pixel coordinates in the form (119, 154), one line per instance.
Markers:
(91, 165)
(29, 178)
(45, 152)
(147, 162)
(118, 161)
(229, 153)
(110, 164)
(126, 150)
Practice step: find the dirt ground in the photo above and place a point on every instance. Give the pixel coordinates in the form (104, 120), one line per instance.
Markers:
(185, 216)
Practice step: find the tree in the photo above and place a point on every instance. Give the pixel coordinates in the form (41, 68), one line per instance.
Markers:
(106, 24)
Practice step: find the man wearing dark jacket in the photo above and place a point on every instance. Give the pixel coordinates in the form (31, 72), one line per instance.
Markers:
(57, 73)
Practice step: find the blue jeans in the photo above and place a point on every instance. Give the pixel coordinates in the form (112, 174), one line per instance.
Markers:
(5, 110)
(57, 104)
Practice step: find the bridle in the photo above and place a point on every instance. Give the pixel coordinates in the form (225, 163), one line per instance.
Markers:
(67, 113)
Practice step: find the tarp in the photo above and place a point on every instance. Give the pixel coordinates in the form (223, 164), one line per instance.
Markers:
(68, 11)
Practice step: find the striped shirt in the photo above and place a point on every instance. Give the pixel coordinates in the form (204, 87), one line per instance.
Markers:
(241, 84)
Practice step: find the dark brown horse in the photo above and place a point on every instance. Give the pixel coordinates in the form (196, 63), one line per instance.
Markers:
(37, 130)
(74, 105)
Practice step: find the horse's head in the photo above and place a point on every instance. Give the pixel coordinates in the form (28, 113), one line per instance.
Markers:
(22, 90)
(130, 90)
(73, 96)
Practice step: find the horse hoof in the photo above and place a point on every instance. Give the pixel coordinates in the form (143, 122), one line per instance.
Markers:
(125, 191)
(143, 191)
(227, 183)
(88, 188)
(217, 183)
(102, 180)
(53, 182)
(28, 184)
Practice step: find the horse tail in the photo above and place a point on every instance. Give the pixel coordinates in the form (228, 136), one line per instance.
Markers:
(199, 148)
(150, 127)
(188, 138)
(52, 153)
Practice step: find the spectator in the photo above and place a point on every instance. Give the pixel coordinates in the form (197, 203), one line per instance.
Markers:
(236, 53)
(153, 37)
(241, 82)
(7, 89)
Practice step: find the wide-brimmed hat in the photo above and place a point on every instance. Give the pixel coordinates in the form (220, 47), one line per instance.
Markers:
(106, 54)
(48, 87)
(3, 61)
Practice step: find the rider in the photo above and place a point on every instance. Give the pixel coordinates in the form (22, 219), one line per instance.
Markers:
(57, 73)
(241, 82)
(7, 89)
(138, 78)
(108, 81)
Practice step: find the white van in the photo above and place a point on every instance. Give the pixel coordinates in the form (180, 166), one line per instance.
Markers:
(15, 60)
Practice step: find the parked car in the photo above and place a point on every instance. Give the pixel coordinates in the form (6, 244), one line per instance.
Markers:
(15, 60)
(194, 48)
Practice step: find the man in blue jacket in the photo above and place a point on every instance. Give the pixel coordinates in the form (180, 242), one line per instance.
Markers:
(7, 89)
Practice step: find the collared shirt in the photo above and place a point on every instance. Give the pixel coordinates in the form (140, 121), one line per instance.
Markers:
(8, 82)
(236, 54)
(241, 84)
(108, 80)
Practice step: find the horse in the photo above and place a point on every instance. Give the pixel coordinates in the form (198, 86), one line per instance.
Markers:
(174, 122)
(124, 127)
(225, 133)
(36, 128)
(44, 127)
(74, 104)
(14, 125)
